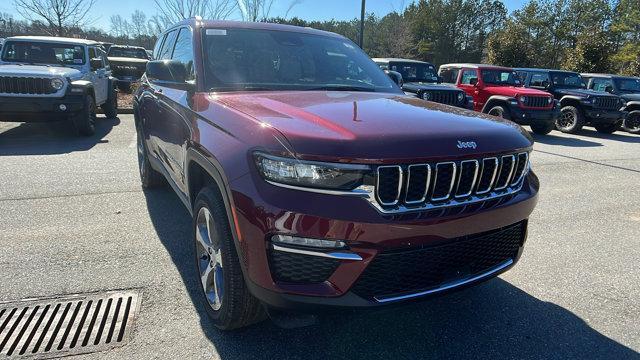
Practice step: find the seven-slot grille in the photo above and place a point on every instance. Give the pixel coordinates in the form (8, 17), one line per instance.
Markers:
(418, 185)
(537, 101)
(25, 85)
(608, 102)
(442, 97)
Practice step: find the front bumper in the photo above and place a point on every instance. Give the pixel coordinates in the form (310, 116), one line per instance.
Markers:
(263, 210)
(600, 116)
(39, 109)
(529, 117)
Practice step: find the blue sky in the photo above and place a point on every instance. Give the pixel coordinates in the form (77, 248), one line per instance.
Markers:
(307, 9)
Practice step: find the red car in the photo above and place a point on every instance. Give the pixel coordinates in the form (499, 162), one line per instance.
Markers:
(315, 182)
(498, 91)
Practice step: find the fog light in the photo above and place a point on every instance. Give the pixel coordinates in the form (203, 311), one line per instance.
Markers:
(317, 243)
(63, 107)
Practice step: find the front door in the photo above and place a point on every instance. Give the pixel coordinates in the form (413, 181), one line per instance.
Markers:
(468, 81)
(99, 77)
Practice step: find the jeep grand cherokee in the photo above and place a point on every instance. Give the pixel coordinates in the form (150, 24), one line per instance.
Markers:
(312, 179)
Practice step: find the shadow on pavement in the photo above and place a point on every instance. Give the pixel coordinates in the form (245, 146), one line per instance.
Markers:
(617, 136)
(552, 139)
(51, 138)
(493, 320)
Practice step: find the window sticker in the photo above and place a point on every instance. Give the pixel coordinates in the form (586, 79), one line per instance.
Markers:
(216, 32)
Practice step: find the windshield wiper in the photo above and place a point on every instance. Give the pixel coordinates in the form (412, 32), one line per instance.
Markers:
(343, 88)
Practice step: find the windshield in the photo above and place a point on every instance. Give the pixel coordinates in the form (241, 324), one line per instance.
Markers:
(500, 77)
(415, 72)
(567, 80)
(247, 59)
(127, 52)
(43, 53)
(628, 84)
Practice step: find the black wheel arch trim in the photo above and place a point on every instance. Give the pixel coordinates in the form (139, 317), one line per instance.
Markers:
(496, 100)
(575, 98)
(632, 106)
(215, 171)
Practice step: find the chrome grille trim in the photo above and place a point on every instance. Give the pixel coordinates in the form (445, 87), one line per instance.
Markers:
(426, 189)
(508, 180)
(400, 182)
(493, 177)
(473, 182)
(453, 180)
(525, 170)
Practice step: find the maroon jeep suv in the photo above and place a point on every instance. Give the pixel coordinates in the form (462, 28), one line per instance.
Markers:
(314, 182)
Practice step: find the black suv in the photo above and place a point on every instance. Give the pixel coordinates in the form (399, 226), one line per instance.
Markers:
(579, 105)
(421, 79)
(628, 88)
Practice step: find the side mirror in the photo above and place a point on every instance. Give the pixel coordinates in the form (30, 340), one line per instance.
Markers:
(608, 89)
(169, 73)
(545, 84)
(440, 79)
(95, 63)
(473, 81)
(395, 76)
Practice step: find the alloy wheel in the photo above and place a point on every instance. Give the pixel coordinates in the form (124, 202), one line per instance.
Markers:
(209, 258)
(566, 120)
(633, 123)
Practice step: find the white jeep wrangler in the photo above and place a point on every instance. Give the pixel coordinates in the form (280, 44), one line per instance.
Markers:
(50, 79)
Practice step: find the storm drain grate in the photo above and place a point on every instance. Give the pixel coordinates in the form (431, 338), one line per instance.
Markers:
(68, 325)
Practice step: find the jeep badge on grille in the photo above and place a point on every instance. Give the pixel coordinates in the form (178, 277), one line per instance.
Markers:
(467, 144)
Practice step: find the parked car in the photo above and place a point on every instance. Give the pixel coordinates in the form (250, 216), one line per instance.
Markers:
(106, 45)
(149, 54)
(497, 91)
(579, 106)
(420, 79)
(314, 182)
(51, 78)
(128, 64)
(628, 88)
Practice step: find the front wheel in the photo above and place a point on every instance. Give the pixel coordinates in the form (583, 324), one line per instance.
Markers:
(543, 129)
(571, 120)
(632, 122)
(500, 112)
(224, 292)
(110, 107)
(85, 121)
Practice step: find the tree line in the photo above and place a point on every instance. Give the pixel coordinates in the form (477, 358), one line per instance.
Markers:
(579, 35)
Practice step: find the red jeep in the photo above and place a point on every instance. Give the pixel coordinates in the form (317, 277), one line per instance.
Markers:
(497, 91)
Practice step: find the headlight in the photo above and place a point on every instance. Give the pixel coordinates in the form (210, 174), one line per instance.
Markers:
(312, 174)
(460, 97)
(57, 84)
(523, 99)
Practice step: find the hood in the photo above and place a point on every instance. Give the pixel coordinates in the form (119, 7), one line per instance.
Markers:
(39, 70)
(356, 126)
(631, 97)
(582, 92)
(127, 60)
(416, 86)
(514, 91)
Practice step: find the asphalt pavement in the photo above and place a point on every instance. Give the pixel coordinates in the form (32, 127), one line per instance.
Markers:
(74, 219)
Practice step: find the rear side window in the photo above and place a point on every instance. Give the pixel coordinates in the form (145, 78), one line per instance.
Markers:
(468, 75)
(167, 47)
(601, 84)
(539, 80)
(183, 51)
(449, 75)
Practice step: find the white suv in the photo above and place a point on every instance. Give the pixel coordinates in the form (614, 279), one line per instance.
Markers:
(50, 79)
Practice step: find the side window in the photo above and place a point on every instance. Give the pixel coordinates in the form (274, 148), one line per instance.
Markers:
(468, 75)
(92, 53)
(539, 80)
(522, 76)
(105, 61)
(156, 48)
(167, 46)
(183, 51)
(449, 75)
(600, 84)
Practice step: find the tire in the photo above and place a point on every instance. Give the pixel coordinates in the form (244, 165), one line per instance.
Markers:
(543, 129)
(149, 177)
(632, 122)
(571, 120)
(85, 121)
(607, 128)
(222, 287)
(110, 108)
(500, 111)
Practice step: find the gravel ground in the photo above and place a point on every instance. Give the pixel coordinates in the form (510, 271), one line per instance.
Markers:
(74, 219)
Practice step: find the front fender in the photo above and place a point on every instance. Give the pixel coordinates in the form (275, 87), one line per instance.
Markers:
(495, 100)
(632, 106)
(570, 98)
(81, 87)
